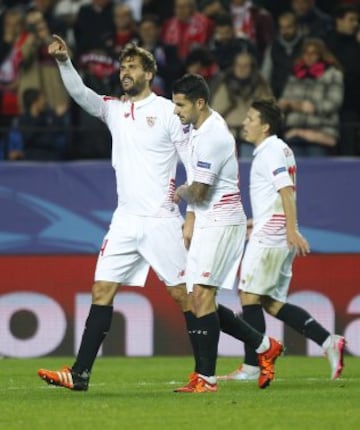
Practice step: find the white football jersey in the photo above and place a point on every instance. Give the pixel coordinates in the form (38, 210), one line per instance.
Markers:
(213, 161)
(147, 140)
(273, 168)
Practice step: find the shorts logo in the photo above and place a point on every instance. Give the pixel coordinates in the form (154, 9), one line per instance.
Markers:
(279, 170)
(206, 274)
(181, 274)
(151, 120)
(203, 164)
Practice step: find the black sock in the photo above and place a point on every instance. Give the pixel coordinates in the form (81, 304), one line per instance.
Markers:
(191, 325)
(254, 316)
(96, 328)
(232, 324)
(301, 321)
(207, 334)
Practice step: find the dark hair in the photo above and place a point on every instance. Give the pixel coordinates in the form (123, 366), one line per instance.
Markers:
(150, 17)
(270, 113)
(147, 59)
(223, 19)
(193, 87)
(30, 96)
(288, 14)
(344, 9)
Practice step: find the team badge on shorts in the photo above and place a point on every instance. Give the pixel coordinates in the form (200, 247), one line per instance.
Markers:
(151, 120)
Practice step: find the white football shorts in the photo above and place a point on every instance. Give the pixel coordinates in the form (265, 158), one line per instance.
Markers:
(133, 245)
(266, 271)
(214, 256)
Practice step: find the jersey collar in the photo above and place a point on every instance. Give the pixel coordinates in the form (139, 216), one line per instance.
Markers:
(204, 126)
(264, 144)
(144, 101)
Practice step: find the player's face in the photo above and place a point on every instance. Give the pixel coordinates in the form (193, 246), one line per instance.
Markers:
(185, 109)
(133, 77)
(253, 130)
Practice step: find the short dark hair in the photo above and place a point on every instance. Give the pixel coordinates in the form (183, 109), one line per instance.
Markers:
(30, 96)
(193, 86)
(344, 9)
(223, 19)
(270, 113)
(150, 17)
(146, 57)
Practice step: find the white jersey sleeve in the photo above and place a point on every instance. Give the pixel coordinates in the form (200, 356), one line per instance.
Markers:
(208, 163)
(278, 169)
(85, 97)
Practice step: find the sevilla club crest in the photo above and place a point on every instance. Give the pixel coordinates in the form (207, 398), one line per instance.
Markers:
(151, 120)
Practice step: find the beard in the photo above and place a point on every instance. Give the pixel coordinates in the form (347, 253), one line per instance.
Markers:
(136, 88)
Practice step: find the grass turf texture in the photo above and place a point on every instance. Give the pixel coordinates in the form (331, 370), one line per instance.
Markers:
(137, 393)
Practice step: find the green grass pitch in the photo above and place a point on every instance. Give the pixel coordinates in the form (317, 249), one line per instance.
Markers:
(137, 393)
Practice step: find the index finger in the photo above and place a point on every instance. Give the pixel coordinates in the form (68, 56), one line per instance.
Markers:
(59, 39)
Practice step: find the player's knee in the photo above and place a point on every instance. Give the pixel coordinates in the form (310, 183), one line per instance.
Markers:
(270, 306)
(103, 292)
(180, 296)
(203, 300)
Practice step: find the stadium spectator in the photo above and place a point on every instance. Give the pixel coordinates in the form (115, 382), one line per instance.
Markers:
(280, 56)
(311, 100)
(225, 46)
(136, 7)
(187, 28)
(160, 8)
(10, 57)
(169, 65)
(253, 22)
(125, 27)
(41, 129)
(94, 27)
(201, 62)
(94, 31)
(312, 21)
(343, 44)
(37, 68)
(234, 90)
(213, 8)
(67, 11)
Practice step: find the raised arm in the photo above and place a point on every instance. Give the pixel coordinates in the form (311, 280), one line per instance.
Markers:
(90, 101)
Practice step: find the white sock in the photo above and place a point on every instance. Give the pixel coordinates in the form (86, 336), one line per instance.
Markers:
(264, 345)
(248, 368)
(209, 379)
(327, 343)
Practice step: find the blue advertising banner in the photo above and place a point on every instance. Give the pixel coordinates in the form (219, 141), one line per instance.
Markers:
(65, 208)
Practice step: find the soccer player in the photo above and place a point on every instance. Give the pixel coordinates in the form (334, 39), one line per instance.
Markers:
(214, 232)
(274, 242)
(146, 227)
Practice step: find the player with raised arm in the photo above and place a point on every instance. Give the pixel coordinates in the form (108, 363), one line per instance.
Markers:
(146, 227)
(274, 242)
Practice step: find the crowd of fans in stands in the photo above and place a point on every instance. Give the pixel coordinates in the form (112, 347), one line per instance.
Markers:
(305, 53)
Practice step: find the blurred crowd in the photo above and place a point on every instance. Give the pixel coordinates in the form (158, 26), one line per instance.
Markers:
(305, 53)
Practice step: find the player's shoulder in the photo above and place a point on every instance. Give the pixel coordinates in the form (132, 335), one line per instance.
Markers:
(275, 144)
(112, 101)
(218, 129)
(277, 148)
(164, 102)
